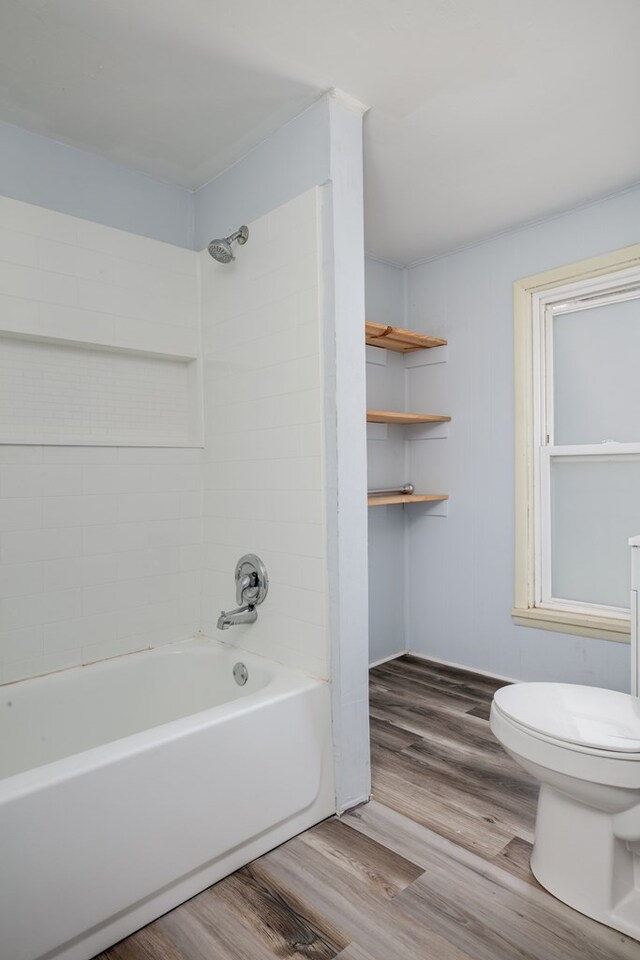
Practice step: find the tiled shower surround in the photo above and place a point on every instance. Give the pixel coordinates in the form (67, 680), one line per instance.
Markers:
(108, 547)
(264, 488)
(99, 553)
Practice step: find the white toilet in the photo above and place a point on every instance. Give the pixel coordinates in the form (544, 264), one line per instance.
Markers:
(583, 745)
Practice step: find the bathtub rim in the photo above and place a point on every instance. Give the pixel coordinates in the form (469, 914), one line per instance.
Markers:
(282, 683)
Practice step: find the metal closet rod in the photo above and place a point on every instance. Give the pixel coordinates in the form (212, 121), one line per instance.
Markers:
(405, 490)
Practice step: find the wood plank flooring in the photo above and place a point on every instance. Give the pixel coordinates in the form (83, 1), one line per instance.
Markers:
(436, 867)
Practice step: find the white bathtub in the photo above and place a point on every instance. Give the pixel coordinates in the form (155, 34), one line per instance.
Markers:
(130, 785)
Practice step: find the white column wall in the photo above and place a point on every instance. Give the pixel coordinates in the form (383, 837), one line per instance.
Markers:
(345, 438)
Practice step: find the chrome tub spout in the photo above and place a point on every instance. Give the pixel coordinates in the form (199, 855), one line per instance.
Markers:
(244, 614)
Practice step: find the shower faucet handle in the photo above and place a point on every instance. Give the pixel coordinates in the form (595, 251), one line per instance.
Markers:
(245, 584)
(252, 582)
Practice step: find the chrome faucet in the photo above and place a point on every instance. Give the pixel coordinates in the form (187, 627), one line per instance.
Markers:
(244, 614)
(252, 585)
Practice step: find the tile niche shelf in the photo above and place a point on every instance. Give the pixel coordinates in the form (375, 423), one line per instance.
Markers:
(59, 392)
(401, 341)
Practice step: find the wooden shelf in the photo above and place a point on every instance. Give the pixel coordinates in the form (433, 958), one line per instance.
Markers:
(383, 501)
(397, 339)
(390, 416)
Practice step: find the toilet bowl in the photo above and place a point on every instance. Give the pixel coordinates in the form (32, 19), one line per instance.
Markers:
(583, 745)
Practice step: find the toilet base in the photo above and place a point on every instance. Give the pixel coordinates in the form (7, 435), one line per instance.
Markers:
(577, 857)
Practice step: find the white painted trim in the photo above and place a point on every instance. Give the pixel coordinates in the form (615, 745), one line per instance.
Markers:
(633, 632)
(461, 666)
(600, 628)
(555, 604)
(392, 656)
(611, 450)
(542, 510)
(532, 425)
(627, 290)
(547, 383)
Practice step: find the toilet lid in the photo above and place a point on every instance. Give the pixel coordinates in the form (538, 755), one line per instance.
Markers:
(588, 716)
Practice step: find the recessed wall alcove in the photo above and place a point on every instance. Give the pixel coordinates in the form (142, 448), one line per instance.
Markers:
(58, 392)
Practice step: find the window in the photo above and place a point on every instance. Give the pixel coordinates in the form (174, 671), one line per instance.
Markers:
(577, 341)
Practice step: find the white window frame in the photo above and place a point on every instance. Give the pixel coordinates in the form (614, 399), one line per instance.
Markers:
(536, 300)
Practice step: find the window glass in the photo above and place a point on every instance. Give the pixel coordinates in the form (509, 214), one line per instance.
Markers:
(595, 508)
(596, 376)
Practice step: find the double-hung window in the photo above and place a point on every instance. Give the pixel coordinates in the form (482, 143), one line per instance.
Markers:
(577, 337)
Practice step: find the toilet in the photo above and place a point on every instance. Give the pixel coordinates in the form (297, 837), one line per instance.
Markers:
(583, 745)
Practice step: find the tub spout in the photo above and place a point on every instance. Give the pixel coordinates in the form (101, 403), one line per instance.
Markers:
(244, 614)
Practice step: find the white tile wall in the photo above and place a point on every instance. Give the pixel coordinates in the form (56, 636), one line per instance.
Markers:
(110, 549)
(100, 553)
(66, 279)
(53, 392)
(264, 449)
(61, 276)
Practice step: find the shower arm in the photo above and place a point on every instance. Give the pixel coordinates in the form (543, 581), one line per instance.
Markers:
(241, 235)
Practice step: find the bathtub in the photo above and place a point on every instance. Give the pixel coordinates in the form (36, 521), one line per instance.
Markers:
(130, 785)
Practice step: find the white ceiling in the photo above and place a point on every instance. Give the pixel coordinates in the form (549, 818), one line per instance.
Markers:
(484, 113)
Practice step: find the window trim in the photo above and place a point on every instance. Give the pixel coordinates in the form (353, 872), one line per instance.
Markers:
(527, 294)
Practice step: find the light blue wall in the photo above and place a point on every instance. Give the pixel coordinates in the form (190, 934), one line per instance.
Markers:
(384, 291)
(52, 174)
(286, 164)
(461, 567)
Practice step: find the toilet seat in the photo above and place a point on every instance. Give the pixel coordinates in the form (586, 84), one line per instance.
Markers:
(588, 719)
(593, 764)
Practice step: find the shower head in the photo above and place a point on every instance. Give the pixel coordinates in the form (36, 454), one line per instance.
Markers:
(221, 250)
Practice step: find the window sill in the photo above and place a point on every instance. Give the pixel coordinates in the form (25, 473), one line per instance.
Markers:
(601, 628)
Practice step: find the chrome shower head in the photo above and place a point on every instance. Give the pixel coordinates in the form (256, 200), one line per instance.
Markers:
(221, 250)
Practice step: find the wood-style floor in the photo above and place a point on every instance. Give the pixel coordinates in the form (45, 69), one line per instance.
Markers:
(434, 868)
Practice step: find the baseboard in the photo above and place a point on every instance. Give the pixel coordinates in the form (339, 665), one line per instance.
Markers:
(460, 666)
(392, 656)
